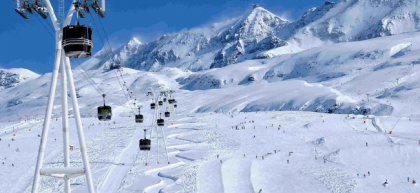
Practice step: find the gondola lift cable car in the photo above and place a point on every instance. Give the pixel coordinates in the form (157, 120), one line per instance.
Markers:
(139, 117)
(144, 143)
(160, 121)
(152, 105)
(160, 103)
(77, 39)
(167, 114)
(104, 112)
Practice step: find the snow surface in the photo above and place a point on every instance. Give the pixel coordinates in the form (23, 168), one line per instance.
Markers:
(316, 97)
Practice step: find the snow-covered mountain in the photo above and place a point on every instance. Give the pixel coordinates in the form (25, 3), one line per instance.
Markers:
(12, 77)
(261, 48)
(217, 45)
(357, 57)
(261, 34)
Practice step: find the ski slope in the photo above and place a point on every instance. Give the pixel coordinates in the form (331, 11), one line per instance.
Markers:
(196, 139)
(311, 112)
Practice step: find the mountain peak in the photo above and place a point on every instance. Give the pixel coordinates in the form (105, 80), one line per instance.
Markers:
(256, 24)
(134, 41)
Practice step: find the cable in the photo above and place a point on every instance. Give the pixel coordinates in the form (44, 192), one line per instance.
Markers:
(99, 34)
(122, 87)
(105, 34)
(89, 79)
(44, 26)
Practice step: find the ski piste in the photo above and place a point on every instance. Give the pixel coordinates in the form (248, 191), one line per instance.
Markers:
(344, 90)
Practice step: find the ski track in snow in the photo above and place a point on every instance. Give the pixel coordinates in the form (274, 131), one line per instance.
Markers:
(194, 142)
(335, 179)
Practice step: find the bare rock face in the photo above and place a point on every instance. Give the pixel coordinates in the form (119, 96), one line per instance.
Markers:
(9, 79)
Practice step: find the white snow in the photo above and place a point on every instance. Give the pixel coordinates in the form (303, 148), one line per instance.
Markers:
(319, 106)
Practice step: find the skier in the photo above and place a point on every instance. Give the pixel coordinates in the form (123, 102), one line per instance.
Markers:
(368, 173)
(408, 179)
(254, 136)
(256, 157)
(357, 175)
(316, 158)
(287, 161)
(366, 144)
(386, 183)
(262, 157)
(13, 165)
(364, 175)
(244, 156)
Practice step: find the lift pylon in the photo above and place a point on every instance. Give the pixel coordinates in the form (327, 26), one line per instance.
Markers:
(154, 128)
(62, 64)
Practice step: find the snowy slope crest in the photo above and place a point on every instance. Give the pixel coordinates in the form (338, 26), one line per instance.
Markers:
(261, 34)
(219, 44)
(12, 77)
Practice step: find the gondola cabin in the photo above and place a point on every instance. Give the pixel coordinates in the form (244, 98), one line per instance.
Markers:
(160, 122)
(104, 113)
(152, 106)
(167, 114)
(175, 106)
(171, 101)
(160, 103)
(139, 118)
(77, 41)
(164, 100)
(145, 144)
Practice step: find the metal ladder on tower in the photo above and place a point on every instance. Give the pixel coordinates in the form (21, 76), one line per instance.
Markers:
(61, 11)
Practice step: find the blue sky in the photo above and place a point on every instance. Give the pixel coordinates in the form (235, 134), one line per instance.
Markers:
(26, 44)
